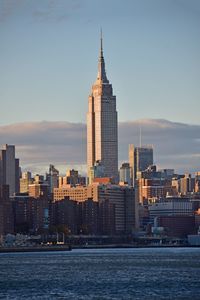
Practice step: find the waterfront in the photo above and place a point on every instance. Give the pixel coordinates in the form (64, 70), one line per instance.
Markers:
(163, 273)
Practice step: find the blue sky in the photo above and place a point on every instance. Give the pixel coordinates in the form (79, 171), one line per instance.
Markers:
(49, 53)
(48, 63)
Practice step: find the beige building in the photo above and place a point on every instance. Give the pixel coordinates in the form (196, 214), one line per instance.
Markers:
(102, 131)
(72, 178)
(121, 198)
(25, 181)
(38, 190)
(78, 193)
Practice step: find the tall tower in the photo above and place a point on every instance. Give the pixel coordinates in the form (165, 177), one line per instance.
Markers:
(140, 158)
(102, 136)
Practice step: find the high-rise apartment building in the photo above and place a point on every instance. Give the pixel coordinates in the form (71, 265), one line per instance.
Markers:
(9, 168)
(140, 158)
(102, 131)
(119, 200)
(30, 214)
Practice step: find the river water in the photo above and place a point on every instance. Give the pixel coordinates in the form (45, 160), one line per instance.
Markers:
(161, 273)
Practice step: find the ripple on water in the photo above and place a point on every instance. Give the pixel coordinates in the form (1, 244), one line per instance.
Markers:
(102, 274)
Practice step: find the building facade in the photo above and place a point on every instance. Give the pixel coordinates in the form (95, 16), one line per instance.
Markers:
(6, 211)
(25, 181)
(102, 129)
(125, 174)
(117, 205)
(52, 178)
(140, 158)
(9, 168)
(97, 171)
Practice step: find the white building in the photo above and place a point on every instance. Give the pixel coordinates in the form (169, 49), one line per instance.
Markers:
(171, 207)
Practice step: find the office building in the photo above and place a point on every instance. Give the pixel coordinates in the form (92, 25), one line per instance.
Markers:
(96, 171)
(9, 169)
(140, 158)
(122, 199)
(52, 178)
(171, 206)
(102, 130)
(175, 214)
(25, 181)
(125, 173)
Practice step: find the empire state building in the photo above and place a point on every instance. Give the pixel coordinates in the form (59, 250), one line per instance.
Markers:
(102, 136)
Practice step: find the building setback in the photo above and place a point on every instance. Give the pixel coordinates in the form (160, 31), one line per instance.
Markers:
(102, 131)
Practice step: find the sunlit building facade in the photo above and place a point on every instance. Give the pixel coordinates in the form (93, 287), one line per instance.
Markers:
(140, 158)
(102, 131)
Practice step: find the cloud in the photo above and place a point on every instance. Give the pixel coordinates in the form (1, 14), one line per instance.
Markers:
(41, 143)
(176, 145)
(46, 11)
(56, 10)
(8, 8)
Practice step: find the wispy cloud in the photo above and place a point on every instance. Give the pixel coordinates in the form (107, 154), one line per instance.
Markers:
(9, 7)
(46, 11)
(176, 145)
(56, 11)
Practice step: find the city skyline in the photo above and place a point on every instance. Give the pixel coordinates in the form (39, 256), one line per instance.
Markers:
(63, 144)
(148, 72)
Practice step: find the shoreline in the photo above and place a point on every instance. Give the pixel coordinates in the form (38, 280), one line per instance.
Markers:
(45, 248)
(76, 247)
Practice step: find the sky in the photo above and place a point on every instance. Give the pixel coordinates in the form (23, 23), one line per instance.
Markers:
(64, 144)
(48, 63)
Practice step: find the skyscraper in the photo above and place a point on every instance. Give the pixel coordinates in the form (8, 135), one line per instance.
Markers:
(102, 136)
(9, 168)
(139, 159)
(124, 173)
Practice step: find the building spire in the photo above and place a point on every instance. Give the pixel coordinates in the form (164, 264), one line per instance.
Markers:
(101, 49)
(101, 65)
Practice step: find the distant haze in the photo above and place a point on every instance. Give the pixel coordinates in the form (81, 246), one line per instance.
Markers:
(176, 145)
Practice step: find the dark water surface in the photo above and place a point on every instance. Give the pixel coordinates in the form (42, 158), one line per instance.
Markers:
(102, 274)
